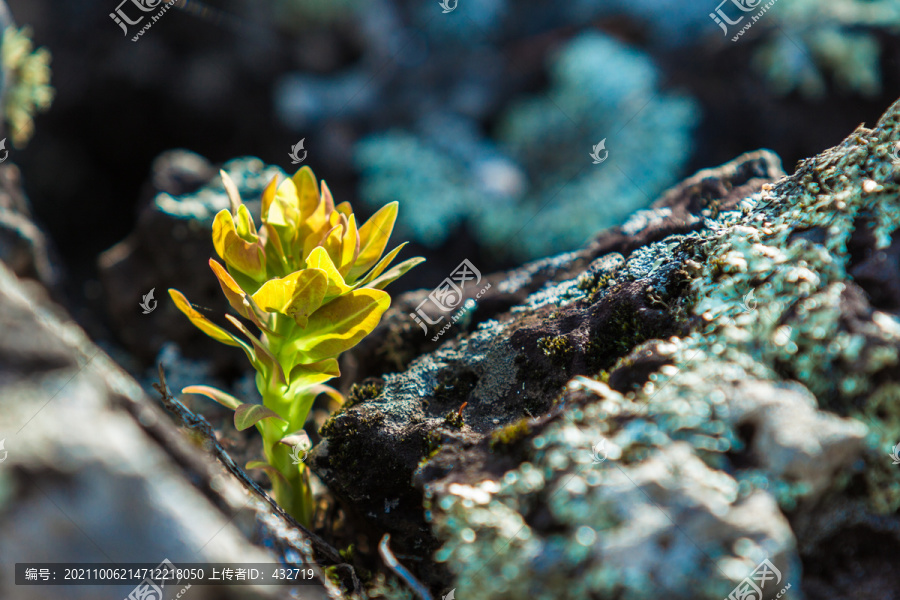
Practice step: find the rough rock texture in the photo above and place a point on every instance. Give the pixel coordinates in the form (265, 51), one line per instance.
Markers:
(169, 249)
(92, 471)
(712, 384)
(23, 245)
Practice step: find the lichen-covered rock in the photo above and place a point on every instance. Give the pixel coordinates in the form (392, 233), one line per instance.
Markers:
(713, 384)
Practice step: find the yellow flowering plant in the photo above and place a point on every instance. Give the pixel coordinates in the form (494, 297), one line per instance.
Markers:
(311, 281)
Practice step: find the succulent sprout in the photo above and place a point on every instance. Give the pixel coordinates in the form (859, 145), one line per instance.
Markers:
(312, 282)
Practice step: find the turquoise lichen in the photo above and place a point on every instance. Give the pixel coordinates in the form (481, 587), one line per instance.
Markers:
(520, 190)
(806, 41)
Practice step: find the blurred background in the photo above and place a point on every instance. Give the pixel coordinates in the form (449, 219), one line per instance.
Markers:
(479, 116)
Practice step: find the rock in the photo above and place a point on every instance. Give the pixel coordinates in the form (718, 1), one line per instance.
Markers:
(23, 244)
(92, 471)
(693, 393)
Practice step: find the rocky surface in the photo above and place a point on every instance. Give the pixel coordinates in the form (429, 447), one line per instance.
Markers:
(92, 471)
(712, 384)
(23, 244)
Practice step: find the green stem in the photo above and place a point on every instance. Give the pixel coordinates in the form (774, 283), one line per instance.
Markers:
(293, 493)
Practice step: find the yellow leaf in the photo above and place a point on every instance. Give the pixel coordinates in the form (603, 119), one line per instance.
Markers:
(234, 197)
(373, 238)
(349, 245)
(268, 196)
(246, 228)
(306, 375)
(345, 209)
(318, 238)
(248, 415)
(306, 192)
(381, 266)
(204, 324)
(298, 295)
(394, 272)
(283, 214)
(246, 257)
(223, 398)
(342, 323)
(231, 289)
(319, 259)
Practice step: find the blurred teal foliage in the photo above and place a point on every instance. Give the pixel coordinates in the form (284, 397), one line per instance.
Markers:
(808, 42)
(533, 189)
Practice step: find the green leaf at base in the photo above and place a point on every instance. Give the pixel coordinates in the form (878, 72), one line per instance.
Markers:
(248, 415)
